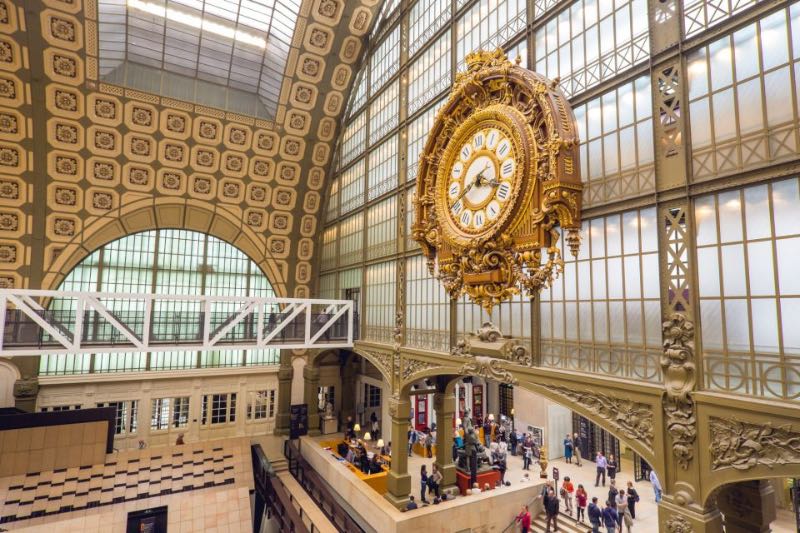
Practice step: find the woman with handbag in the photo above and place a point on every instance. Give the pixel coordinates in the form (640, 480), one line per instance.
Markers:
(633, 497)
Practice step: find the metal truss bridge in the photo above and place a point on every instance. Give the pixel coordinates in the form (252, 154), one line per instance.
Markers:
(38, 322)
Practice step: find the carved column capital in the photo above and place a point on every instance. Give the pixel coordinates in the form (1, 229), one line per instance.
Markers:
(399, 408)
(26, 388)
(310, 373)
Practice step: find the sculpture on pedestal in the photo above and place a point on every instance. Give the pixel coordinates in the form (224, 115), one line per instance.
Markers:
(471, 458)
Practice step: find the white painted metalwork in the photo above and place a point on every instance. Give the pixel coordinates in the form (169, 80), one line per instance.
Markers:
(35, 322)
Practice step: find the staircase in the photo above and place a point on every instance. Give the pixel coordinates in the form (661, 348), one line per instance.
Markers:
(279, 464)
(566, 523)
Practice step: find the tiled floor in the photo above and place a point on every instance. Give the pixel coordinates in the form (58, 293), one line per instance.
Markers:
(125, 477)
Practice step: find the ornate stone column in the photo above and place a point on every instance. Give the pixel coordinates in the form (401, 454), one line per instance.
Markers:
(285, 377)
(748, 506)
(675, 518)
(398, 483)
(445, 405)
(310, 392)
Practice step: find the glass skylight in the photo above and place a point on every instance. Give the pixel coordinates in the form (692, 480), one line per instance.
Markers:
(222, 53)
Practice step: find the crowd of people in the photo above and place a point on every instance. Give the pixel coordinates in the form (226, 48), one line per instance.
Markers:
(368, 463)
(612, 513)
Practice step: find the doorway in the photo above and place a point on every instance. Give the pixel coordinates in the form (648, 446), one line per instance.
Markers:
(421, 416)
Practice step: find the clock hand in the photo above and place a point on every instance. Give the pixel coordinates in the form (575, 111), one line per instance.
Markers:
(460, 196)
(476, 181)
(479, 177)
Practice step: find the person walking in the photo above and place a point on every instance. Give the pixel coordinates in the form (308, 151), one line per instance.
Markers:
(576, 448)
(373, 420)
(524, 519)
(627, 519)
(610, 518)
(656, 485)
(567, 490)
(580, 500)
(527, 453)
(568, 449)
(595, 515)
(601, 463)
(611, 466)
(412, 438)
(429, 444)
(423, 480)
(551, 509)
(622, 506)
(633, 497)
(612, 493)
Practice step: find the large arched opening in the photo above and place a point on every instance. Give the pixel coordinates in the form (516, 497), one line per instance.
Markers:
(161, 394)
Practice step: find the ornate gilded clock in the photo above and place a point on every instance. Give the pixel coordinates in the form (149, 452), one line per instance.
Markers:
(497, 178)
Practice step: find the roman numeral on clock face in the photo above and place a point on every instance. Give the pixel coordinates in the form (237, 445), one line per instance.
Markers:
(503, 148)
(507, 169)
(492, 210)
(457, 207)
(491, 140)
(503, 191)
(477, 141)
(454, 189)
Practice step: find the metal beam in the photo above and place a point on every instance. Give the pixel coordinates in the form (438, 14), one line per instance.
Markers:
(27, 327)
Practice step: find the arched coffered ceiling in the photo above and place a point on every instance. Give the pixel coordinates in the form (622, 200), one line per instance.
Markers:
(78, 150)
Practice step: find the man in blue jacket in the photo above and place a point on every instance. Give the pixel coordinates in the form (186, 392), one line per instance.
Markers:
(595, 515)
(610, 518)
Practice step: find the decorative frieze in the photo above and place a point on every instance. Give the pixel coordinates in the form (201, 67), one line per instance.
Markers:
(678, 367)
(631, 419)
(745, 445)
(489, 368)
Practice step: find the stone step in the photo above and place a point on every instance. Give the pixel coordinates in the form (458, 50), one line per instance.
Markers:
(280, 465)
(566, 523)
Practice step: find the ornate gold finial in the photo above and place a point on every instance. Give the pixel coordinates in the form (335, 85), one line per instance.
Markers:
(483, 58)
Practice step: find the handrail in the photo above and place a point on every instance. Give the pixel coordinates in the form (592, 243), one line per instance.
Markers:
(315, 486)
(514, 521)
(275, 495)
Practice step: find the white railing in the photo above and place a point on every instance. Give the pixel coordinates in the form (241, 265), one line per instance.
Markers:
(36, 322)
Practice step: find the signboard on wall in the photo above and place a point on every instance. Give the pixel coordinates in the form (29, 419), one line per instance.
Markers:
(538, 435)
(152, 520)
(298, 420)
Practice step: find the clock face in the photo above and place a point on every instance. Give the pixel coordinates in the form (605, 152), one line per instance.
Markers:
(481, 179)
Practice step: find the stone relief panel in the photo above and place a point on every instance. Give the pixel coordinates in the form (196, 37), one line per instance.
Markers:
(633, 420)
(745, 445)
